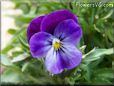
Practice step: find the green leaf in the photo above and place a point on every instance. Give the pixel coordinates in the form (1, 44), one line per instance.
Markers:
(5, 60)
(87, 70)
(23, 6)
(97, 29)
(82, 48)
(7, 48)
(24, 19)
(20, 58)
(113, 65)
(23, 42)
(108, 15)
(12, 42)
(95, 54)
(10, 76)
(16, 53)
(101, 81)
(24, 67)
(11, 31)
(104, 73)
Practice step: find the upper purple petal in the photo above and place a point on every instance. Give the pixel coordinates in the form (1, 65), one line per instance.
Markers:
(68, 31)
(34, 27)
(53, 19)
(40, 43)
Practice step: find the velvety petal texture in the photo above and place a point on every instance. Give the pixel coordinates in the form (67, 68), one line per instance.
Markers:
(40, 44)
(68, 31)
(53, 19)
(34, 27)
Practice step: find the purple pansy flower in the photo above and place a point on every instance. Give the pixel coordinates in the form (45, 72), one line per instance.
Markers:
(54, 37)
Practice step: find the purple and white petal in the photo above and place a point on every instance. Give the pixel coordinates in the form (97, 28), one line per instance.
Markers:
(40, 44)
(53, 19)
(68, 31)
(70, 56)
(52, 62)
(34, 27)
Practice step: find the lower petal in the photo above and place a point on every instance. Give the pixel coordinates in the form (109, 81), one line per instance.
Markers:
(52, 62)
(70, 56)
(67, 58)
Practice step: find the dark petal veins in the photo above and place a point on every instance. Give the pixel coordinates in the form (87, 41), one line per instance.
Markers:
(40, 44)
(71, 57)
(34, 27)
(52, 62)
(67, 58)
(68, 31)
(53, 19)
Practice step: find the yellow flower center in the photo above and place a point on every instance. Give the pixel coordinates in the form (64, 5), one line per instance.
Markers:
(56, 44)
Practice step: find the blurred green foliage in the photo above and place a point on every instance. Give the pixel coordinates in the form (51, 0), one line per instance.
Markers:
(96, 44)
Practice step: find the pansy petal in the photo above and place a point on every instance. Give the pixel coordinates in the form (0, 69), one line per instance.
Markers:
(40, 43)
(34, 27)
(52, 62)
(70, 56)
(53, 19)
(66, 58)
(68, 31)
